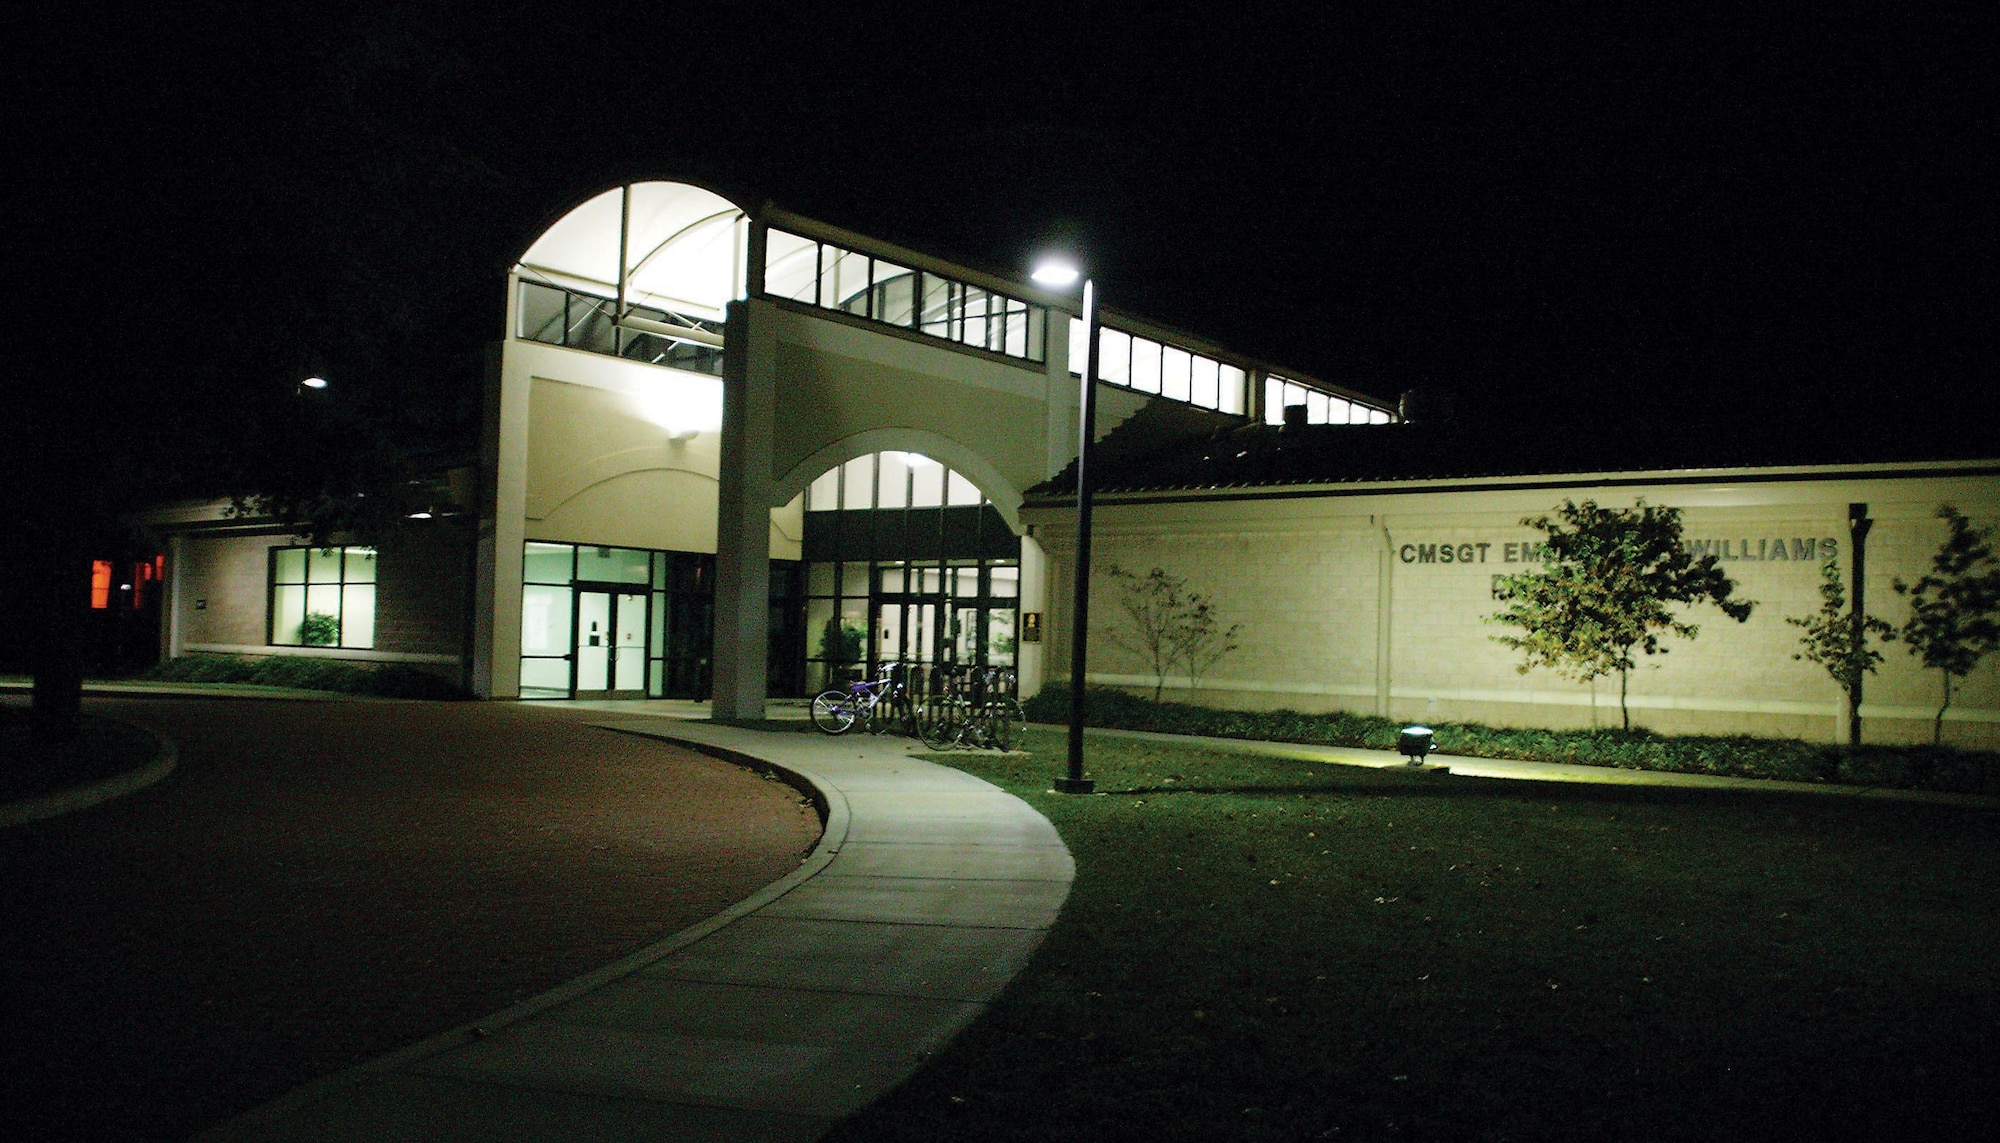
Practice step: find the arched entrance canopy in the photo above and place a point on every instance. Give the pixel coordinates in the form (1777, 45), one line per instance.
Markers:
(1006, 499)
(683, 248)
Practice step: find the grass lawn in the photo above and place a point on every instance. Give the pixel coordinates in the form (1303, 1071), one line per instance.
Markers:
(1267, 949)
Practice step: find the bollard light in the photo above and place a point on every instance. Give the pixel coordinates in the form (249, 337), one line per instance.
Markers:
(1415, 744)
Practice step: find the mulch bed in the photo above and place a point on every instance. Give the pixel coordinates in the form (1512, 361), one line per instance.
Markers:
(323, 882)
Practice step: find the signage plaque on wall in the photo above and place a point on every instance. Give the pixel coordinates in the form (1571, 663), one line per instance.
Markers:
(1799, 549)
(1031, 627)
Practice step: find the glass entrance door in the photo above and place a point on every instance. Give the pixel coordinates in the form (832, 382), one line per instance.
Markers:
(907, 630)
(610, 644)
(959, 613)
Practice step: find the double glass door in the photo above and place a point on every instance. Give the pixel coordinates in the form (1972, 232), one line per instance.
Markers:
(949, 617)
(610, 644)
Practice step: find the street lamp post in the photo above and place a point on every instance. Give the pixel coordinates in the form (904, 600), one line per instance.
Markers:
(1056, 274)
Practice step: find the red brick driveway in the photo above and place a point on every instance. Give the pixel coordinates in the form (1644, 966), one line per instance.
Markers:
(322, 882)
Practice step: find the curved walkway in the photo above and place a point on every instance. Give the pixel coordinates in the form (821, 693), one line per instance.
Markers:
(75, 798)
(928, 893)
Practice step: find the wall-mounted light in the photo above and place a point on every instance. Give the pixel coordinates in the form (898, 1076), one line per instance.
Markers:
(686, 408)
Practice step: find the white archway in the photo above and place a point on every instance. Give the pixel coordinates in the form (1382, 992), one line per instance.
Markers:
(958, 457)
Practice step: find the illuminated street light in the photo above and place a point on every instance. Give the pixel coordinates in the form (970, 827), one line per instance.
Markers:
(1060, 273)
(1056, 274)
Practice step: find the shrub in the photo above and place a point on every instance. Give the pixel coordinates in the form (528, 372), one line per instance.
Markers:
(393, 680)
(1735, 756)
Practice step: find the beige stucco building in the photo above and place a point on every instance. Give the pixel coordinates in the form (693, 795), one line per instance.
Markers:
(1376, 596)
(730, 451)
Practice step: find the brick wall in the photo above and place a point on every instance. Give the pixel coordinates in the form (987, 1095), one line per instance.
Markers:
(224, 588)
(423, 585)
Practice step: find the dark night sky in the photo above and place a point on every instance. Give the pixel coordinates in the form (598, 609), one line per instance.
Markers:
(1607, 216)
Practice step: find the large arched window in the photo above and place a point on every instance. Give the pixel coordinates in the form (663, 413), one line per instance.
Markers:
(906, 561)
(641, 271)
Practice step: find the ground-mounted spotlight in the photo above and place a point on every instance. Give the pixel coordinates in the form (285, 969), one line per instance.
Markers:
(1415, 744)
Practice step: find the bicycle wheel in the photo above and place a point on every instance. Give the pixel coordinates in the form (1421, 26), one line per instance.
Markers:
(833, 712)
(1005, 723)
(938, 724)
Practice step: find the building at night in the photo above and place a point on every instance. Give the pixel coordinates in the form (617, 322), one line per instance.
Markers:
(733, 452)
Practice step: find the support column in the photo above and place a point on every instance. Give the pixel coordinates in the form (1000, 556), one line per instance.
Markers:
(1385, 617)
(503, 500)
(173, 598)
(743, 511)
(1029, 659)
(1060, 401)
(1254, 401)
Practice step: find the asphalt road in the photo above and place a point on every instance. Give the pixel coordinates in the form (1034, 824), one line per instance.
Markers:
(322, 882)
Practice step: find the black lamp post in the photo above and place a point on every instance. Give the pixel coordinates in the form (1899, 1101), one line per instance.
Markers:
(1062, 274)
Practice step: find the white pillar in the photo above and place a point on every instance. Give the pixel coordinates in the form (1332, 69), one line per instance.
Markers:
(503, 506)
(1060, 408)
(743, 511)
(173, 595)
(1030, 658)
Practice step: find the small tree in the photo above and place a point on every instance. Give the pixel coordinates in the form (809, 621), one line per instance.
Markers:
(1204, 642)
(1837, 639)
(1955, 609)
(1609, 580)
(1170, 625)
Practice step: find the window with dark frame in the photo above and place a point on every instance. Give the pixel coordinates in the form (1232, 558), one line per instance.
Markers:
(831, 277)
(554, 315)
(322, 597)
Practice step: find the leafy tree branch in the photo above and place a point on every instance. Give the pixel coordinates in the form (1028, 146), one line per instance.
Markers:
(1170, 625)
(1837, 640)
(1608, 586)
(1955, 607)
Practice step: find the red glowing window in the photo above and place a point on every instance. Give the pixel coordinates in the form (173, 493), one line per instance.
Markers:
(100, 584)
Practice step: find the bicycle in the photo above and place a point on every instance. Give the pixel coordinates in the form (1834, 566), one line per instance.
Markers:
(977, 712)
(939, 714)
(881, 706)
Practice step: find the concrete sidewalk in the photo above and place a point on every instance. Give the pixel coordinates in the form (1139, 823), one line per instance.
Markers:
(927, 894)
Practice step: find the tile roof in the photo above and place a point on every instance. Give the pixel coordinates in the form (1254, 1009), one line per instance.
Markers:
(1258, 456)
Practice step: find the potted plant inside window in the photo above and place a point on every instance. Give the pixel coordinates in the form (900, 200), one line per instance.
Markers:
(319, 629)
